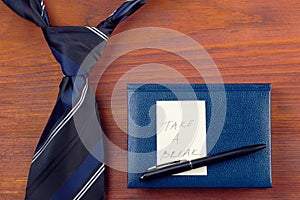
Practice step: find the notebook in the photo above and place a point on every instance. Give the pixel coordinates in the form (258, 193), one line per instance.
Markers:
(180, 121)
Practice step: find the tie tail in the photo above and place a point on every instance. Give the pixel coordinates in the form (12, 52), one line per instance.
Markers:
(119, 15)
(33, 10)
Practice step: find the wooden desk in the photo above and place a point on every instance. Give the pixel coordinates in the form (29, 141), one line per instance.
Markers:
(250, 42)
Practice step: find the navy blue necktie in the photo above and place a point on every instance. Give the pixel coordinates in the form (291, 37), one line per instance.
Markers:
(62, 167)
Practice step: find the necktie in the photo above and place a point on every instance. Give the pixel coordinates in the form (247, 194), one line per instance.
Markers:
(62, 167)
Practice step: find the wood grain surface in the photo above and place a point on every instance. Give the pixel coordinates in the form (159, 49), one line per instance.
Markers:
(250, 42)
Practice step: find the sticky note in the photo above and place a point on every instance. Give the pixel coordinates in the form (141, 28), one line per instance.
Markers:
(181, 132)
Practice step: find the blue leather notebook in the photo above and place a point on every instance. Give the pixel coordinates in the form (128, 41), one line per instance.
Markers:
(177, 121)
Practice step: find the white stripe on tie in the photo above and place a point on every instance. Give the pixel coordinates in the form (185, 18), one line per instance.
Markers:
(62, 123)
(98, 32)
(89, 183)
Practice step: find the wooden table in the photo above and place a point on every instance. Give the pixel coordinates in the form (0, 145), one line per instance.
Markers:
(250, 42)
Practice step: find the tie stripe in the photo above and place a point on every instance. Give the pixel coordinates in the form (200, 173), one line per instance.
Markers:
(43, 7)
(77, 180)
(90, 182)
(98, 32)
(62, 123)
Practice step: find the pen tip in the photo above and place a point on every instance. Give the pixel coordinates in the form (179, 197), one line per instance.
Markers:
(258, 147)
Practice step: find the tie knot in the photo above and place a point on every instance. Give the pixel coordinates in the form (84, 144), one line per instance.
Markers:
(76, 48)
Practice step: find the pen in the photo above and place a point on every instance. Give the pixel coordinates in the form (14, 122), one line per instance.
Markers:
(185, 165)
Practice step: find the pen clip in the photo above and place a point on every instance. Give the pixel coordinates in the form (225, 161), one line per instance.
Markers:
(164, 165)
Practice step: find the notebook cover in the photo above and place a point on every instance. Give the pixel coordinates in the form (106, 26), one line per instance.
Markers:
(237, 115)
